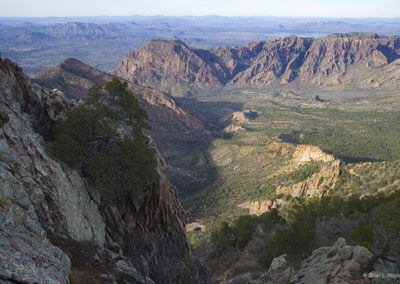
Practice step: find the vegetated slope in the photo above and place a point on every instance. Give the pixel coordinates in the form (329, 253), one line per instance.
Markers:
(285, 246)
(361, 128)
(176, 131)
(54, 229)
(300, 198)
(337, 61)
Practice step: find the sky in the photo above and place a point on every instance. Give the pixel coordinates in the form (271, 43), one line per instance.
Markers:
(278, 8)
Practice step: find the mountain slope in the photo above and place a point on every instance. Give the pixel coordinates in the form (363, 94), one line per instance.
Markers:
(175, 129)
(54, 229)
(74, 78)
(338, 60)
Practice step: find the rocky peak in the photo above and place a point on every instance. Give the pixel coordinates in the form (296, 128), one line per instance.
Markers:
(319, 182)
(73, 77)
(166, 64)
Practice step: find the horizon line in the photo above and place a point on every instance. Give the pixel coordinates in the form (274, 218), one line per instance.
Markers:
(199, 16)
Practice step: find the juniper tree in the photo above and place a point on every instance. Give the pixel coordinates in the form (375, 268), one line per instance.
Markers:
(103, 139)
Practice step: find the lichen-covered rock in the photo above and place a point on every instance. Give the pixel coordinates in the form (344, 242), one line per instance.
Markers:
(38, 196)
(337, 264)
(278, 263)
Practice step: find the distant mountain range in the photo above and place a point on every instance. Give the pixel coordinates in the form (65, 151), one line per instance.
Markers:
(37, 44)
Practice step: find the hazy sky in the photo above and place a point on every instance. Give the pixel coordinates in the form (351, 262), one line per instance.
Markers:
(296, 8)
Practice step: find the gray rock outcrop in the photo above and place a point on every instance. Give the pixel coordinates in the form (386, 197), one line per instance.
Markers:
(339, 263)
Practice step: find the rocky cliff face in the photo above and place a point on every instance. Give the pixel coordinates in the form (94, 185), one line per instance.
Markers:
(346, 60)
(53, 229)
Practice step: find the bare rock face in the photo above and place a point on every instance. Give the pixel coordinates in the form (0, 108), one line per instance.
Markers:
(38, 196)
(279, 148)
(54, 230)
(388, 77)
(308, 153)
(319, 183)
(260, 207)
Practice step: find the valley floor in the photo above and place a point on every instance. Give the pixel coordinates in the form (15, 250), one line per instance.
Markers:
(276, 152)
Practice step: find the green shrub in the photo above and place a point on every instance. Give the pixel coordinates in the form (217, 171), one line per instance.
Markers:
(222, 236)
(302, 173)
(243, 228)
(103, 140)
(3, 118)
(363, 236)
(269, 219)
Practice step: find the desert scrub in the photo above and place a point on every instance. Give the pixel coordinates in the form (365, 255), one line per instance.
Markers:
(302, 173)
(377, 218)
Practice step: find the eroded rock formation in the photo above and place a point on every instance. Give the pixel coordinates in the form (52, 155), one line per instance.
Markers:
(260, 207)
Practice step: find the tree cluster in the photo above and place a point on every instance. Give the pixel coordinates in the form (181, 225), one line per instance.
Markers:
(103, 139)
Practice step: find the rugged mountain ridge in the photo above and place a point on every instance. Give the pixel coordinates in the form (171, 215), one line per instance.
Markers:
(337, 60)
(53, 229)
